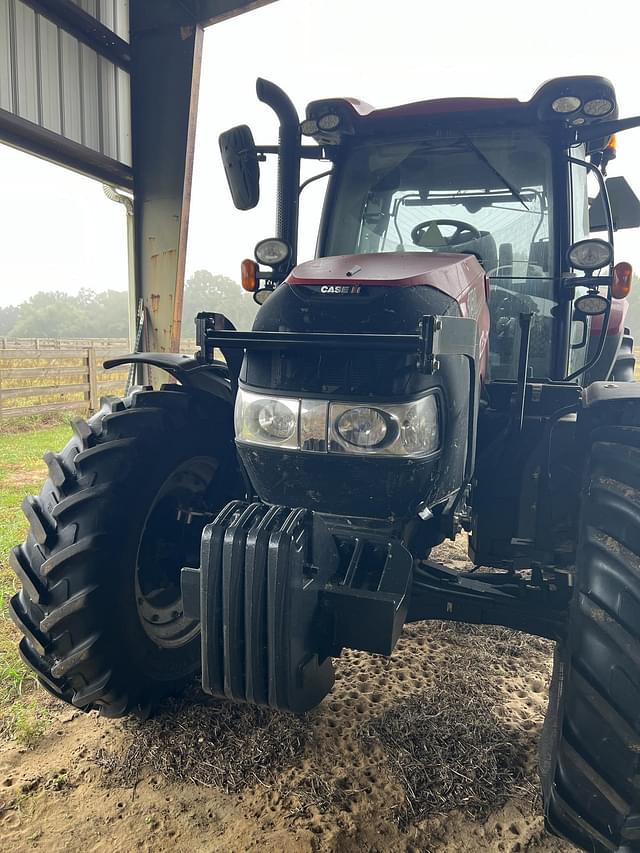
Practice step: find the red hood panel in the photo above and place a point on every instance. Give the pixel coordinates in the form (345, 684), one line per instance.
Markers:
(452, 274)
(619, 308)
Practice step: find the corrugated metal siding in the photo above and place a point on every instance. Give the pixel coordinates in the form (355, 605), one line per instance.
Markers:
(90, 97)
(109, 108)
(123, 91)
(51, 79)
(71, 103)
(26, 81)
(49, 56)
(122, 19)
(6, 76)
(112, 13)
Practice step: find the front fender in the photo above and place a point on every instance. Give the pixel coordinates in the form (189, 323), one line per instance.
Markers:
(211, 378)
(607, 409)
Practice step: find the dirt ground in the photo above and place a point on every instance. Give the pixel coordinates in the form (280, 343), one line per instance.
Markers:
(433, 749)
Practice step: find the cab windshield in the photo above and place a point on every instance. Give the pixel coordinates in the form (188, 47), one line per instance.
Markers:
(486, 194)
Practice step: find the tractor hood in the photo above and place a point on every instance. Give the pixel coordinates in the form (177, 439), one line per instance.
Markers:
(452, 274)
(371, 294)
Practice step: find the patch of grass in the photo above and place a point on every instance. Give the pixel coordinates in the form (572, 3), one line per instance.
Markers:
(22, 715)
(25, 721)
(35, 423)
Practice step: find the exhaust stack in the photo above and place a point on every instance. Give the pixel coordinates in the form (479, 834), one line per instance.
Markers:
(288, 162)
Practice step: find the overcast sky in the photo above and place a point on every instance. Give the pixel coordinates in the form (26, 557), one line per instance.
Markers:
(59, 232)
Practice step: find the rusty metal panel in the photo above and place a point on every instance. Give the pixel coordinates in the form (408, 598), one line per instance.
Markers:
(26, 78)
(6, 74)
(49, 58)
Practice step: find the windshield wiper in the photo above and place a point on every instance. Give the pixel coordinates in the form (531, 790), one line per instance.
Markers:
(512, 189)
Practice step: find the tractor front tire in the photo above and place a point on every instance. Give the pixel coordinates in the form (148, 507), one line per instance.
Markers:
(590, 749)
(120, 514)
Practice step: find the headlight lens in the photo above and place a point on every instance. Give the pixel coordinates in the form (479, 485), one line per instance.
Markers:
(272, 252)
(267, 420)
(276, 420)
(590, 254)
(407, 430)
(420, 429)
(400, 429)
(329, 121)
(566, 104)
(362, 426)
(598, 107)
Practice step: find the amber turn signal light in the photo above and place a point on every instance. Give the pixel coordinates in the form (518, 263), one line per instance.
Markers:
(621, 284)
(249, 275)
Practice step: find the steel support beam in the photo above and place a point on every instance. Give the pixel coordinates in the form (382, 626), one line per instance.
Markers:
(165, 75)
(27, 136)
(166, 42)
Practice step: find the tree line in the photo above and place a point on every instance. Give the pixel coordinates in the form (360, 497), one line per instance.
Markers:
(91, 314)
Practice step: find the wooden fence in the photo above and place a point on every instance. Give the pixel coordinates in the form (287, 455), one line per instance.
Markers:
(39, 381)
(58, 343)
(39, 375)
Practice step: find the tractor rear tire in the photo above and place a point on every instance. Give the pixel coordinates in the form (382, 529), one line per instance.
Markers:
(120, 514)
(590, 749)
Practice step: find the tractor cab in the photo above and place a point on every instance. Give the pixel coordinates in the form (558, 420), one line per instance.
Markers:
(514, 184)
(488, 209)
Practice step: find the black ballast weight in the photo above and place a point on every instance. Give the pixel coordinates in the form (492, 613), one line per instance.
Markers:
(280, 591)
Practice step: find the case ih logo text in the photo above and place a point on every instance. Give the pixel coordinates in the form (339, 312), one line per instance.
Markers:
(340, 288)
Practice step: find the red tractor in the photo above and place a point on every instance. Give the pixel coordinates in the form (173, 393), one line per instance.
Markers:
(454, 358)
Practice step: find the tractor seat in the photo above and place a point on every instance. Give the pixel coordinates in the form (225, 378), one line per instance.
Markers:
(483, 247)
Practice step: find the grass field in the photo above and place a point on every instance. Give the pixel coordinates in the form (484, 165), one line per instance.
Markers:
(22, 709)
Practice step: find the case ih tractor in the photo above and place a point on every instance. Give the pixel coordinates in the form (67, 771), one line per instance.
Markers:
(454, 358)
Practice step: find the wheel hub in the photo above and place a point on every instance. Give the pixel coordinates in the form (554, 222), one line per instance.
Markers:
(170, 540)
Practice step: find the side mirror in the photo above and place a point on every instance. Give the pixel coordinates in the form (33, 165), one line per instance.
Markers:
(625, 207)
(240, 161)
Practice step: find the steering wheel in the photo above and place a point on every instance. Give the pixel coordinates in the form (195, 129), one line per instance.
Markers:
(463, 233)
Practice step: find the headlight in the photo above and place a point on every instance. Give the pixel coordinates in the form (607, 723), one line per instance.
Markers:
(590, 254)
(272, 252)
(598, 107)
(402, 429)
(410, 430)
(267, 420)
(566, 104)
(362, 426)
(329, 121)
(276, 419)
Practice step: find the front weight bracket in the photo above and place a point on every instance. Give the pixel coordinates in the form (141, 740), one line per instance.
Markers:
(276, 598)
